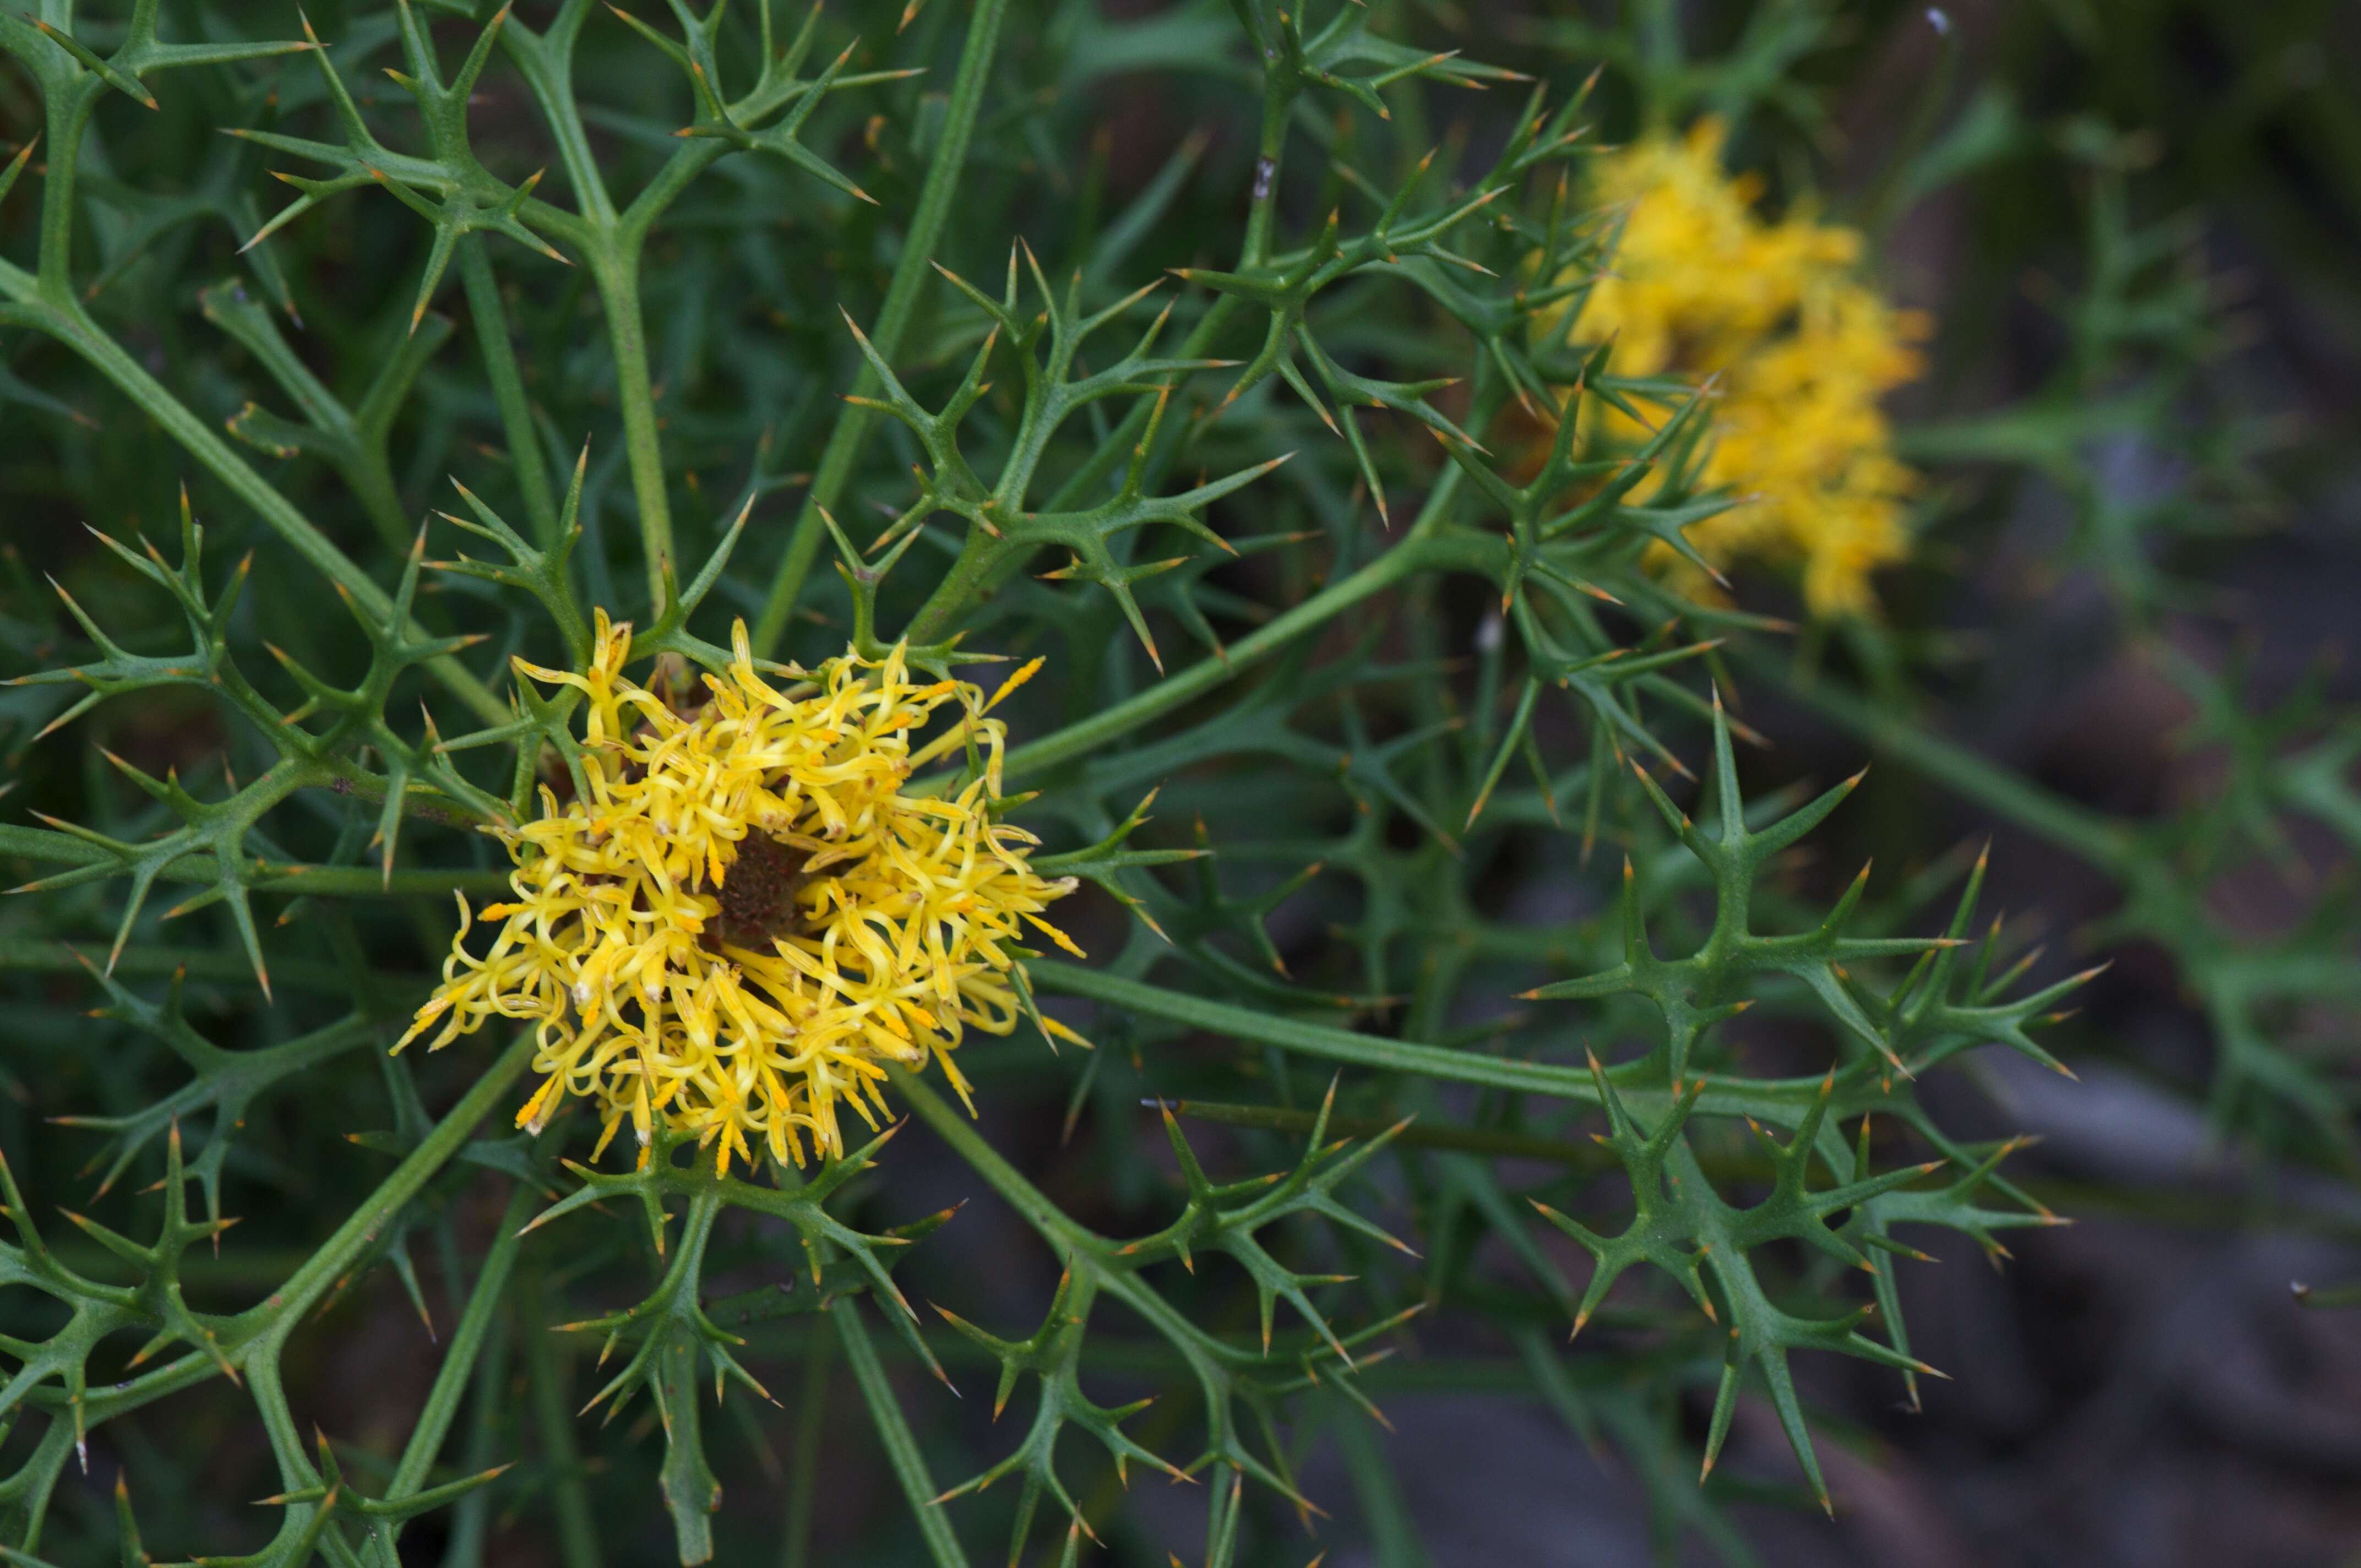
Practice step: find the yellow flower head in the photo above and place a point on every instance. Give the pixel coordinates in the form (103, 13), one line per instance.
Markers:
(742, 915)
(1804, 349)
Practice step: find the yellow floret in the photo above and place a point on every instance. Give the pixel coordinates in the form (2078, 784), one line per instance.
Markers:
(865, 925)
(1803, 349)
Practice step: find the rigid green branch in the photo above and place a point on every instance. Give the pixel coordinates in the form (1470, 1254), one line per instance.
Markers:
(1214, 1217)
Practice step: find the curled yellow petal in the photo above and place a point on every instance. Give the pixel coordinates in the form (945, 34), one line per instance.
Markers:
(1800, 349)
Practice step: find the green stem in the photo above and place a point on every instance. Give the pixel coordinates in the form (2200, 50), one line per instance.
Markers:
(199, 866)
(256, 1338)
(981, 562)
(287, 1306)
(1384, 1512)
(220, 969)
(458, 1369)
(1421, 547)
(893, 1430)
(1067, 1236)
(984, 563)
(612, 245)
(844, 443)
(546, 61)
(1780, 1101)
(1469, 1140)
(508, 390)
(71, 325)
(1313, 1040)
(69, 97)
(560, 1463)
(471, 1517)
(269, 1392)
(1279, 95)
(1113, 1267)
(616, 266)
(811, 1430)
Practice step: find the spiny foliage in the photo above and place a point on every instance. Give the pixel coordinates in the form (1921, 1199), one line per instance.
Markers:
(1279, 451)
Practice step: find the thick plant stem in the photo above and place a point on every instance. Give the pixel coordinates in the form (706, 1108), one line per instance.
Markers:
(508, 390)
(617, 269)
(969, 577)
(612, 245)
(844, 443)
(152, 962)
(1314, 1039)
(47, 301)
(578, 1540)
(894, 1432)
(71, 326)
(1279, 95)
(1422, 548)
(1069, 1236)
(459, 1362)
(199, 866)
(1780, 1101)
(471, 1515)
(288, 1304)
(803, 1475)
(1080, 739)
(983, 564)
(256, 1338)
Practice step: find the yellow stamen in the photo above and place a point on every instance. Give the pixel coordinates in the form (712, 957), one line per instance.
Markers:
(751, 1019)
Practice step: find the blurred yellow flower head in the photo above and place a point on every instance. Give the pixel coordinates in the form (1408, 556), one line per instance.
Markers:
(742, 915)
(1699, 285)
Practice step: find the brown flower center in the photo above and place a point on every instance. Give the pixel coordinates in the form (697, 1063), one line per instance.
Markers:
(757, 894)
